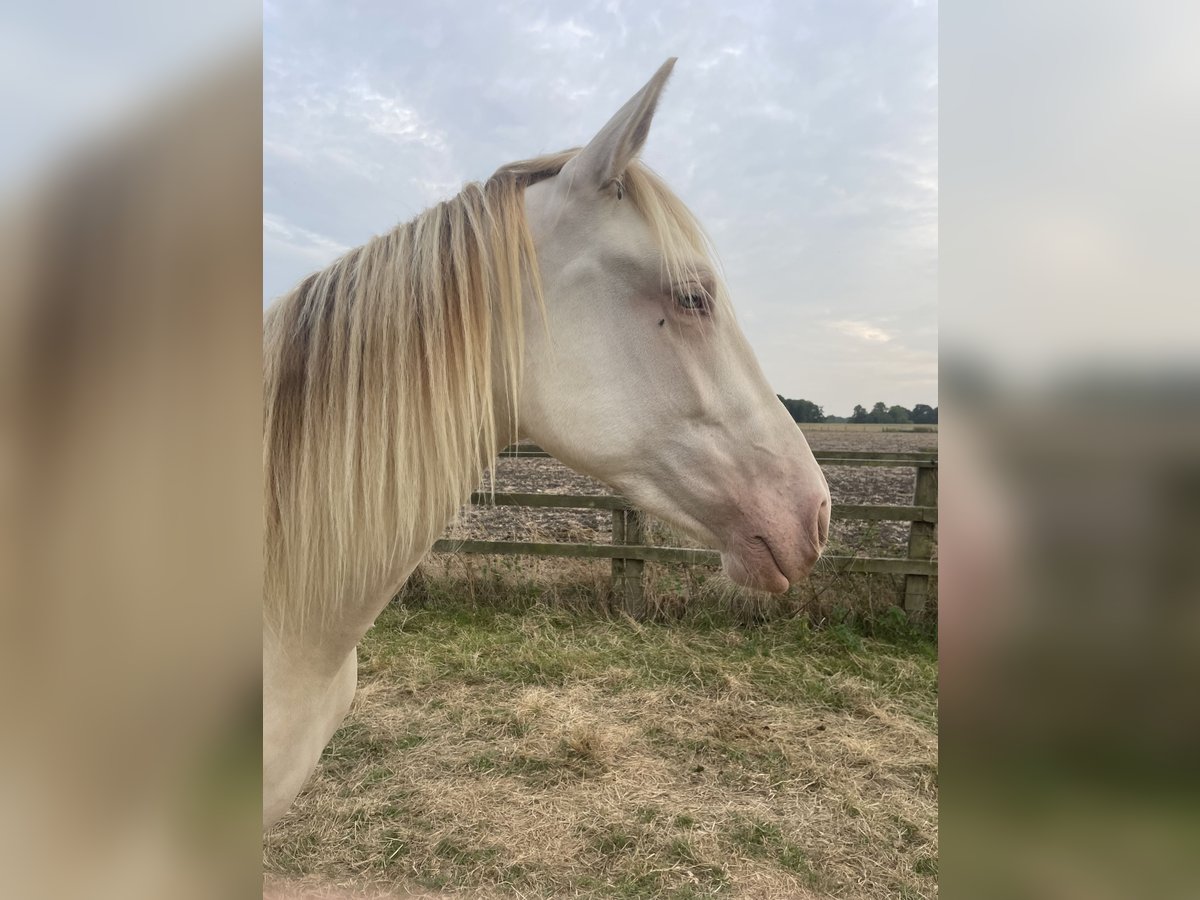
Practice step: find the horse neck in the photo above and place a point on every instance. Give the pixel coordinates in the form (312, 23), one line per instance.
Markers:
(323, 643)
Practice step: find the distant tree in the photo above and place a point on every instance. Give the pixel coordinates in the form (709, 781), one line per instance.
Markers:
(802, 410)
(882, 414)
(924, 414)
(811, 412)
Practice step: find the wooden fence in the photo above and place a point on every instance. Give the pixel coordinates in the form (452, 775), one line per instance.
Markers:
(629, 553)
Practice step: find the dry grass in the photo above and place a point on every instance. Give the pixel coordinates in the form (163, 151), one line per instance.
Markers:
(503, 746)
(672, 592)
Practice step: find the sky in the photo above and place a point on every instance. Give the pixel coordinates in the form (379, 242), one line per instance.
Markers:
(802, 134)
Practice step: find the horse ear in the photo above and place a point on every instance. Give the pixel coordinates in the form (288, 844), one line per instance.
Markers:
(609, 153)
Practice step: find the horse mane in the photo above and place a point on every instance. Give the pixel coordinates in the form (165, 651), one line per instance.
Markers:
(380, 379)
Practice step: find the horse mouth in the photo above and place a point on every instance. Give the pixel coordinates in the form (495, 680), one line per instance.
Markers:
(752, 564)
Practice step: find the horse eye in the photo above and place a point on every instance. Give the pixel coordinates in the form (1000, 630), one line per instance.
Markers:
(694, 301)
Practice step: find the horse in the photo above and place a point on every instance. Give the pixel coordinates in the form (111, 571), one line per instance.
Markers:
(571, 299)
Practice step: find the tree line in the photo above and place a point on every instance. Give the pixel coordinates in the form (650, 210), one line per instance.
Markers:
(880, 413)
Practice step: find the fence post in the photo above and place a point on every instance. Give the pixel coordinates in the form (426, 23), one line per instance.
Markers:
(921, 539)
(617, 581)
(628, 527)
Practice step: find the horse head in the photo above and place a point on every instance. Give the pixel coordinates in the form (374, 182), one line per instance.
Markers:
(637, 373)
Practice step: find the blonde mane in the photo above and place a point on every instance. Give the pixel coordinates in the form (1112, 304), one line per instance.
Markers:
(381, 378)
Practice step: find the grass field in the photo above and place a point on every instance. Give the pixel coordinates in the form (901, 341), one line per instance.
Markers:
(510, 747)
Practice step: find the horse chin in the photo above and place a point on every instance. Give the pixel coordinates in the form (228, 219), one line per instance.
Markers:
(752, 565)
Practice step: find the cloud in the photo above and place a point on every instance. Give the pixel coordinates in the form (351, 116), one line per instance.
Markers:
(565, 35)
(388, 116)
(863, 331)
(769, 109)
(317, 248)
(723, 55)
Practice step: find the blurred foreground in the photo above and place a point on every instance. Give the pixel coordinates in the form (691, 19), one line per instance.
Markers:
(1070, 637)
(130, 499)
(1070, 450)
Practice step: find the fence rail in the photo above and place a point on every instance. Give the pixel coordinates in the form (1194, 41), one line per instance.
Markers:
(629, 554)
(833, 457)
(690, 556)
(612, 501)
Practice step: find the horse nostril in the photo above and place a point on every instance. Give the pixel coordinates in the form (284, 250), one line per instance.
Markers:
(823, 523)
